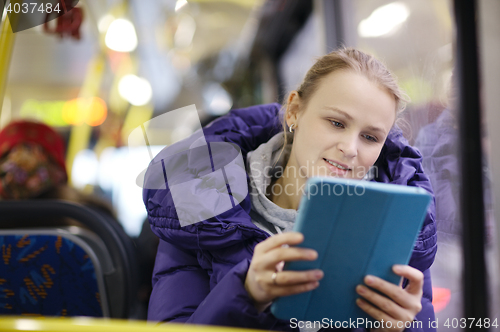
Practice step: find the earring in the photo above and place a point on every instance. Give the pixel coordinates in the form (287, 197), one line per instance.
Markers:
(291, 127)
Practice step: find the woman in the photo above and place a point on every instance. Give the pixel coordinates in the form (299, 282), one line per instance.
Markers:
(222, 270)
(31, 160)
(32, 166)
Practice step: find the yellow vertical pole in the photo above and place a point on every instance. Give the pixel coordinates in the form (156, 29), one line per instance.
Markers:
(6, 46)
(80, 134)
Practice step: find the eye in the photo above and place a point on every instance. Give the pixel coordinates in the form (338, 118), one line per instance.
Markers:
(337, 124)
(370, 138)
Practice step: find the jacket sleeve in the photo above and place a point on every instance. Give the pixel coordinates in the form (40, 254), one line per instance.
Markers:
(183, 292)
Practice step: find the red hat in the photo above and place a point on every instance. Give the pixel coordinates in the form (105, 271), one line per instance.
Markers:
(18, 132)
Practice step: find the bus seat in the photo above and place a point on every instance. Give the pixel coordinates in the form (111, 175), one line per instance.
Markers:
(50, 273)
(100, 237)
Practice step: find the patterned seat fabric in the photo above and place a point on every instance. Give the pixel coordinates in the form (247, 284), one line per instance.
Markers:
(47, 275)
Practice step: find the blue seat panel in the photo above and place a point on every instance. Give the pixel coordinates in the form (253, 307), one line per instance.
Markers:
(47, 275)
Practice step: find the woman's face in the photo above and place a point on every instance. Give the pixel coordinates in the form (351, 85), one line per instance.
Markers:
(343, 127)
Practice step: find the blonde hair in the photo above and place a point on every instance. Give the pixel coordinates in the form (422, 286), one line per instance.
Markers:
(352, 60)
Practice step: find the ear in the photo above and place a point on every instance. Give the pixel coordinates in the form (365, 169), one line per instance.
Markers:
(292, 108)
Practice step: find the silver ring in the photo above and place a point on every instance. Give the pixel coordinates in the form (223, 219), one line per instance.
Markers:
(273, 278)
(291, 127)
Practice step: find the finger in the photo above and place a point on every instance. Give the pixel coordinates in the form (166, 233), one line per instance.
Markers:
(415, 278)
(291, 238)
(288, 278)
(402, 297)
(288, 254)
(374, 311)
(294, 289)
(280, 265)
(384, 304)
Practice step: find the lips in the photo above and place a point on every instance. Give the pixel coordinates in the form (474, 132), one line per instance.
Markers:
(343, 167)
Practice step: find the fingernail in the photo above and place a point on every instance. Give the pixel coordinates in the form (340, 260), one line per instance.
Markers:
(313, 285)
(313, 254)
(318, 274)
(397, 268)
(369, 280)
(360, 302)
(360, 289)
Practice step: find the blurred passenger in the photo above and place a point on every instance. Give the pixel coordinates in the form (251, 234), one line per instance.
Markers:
(31, 160)
(226, 270)
(32, 166)
(438, 143)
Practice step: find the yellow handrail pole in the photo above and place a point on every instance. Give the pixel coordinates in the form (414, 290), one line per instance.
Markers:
(80, 134)
(7, 38)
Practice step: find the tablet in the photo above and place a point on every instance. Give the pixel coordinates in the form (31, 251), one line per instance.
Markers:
(357, 228)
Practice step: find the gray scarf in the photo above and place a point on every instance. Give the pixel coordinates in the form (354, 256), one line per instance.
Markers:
(264, 164)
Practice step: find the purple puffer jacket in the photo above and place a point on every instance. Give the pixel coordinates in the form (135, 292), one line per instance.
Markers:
(200, 268)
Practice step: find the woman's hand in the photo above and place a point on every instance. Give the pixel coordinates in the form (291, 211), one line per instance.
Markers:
(266, 260)
(402, 305)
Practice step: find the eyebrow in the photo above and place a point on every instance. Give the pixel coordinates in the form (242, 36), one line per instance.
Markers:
(335, 109)
(347, 116)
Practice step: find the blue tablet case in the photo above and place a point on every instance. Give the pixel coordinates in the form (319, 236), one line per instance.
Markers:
(357, 228)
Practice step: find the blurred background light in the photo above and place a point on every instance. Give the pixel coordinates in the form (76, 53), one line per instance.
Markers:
(117, 173)
(180, 4)
(105, 22)
(384, 20)
(135, 90)
(185, 32)
(92, 111)
(59, 113)
(49, 112)
(121, 36)
(98, 112)
(216, 99)
(107, 169)
(85, 168)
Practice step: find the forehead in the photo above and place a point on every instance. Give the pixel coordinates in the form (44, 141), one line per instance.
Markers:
(356, 95)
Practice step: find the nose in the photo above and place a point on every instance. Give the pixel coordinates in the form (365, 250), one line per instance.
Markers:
(348, 146)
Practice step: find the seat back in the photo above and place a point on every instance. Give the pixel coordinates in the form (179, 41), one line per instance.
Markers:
(50, 273)
(112, 247)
